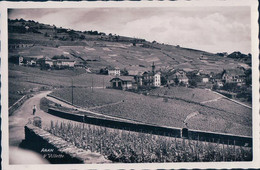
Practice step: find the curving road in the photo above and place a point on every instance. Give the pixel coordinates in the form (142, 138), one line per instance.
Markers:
(21, 116)
(16, 130)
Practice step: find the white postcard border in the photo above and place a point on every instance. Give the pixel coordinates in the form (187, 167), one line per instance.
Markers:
(205, 3)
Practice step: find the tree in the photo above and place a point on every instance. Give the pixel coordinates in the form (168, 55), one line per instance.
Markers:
(82, 37)
(163, 80)
(176, 81)
(248, 79)
(230, 87)
(181, 84)
(21, 20)
(59, 57)
(103, 71)
(124, 72)
(215, 87)
(193, 83)
(46, 34)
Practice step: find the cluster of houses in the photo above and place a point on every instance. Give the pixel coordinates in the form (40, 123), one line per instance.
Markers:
(177, 77)
(42, 61)
(16, 46)
(145, 79)
(59, 63)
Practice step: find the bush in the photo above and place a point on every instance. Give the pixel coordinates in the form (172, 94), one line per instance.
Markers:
(193, 83)
(59, 57)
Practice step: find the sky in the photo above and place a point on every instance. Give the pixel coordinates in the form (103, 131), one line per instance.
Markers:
(212, 29)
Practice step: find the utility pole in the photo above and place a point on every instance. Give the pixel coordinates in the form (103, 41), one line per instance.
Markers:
(92, 83)
(103, 83)
(72, 90)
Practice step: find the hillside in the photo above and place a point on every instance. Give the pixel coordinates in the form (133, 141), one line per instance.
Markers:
(99, 50)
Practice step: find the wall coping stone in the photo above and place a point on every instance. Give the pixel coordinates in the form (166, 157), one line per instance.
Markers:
(64, 147)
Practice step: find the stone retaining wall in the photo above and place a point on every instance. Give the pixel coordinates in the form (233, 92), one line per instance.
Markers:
(57, 150)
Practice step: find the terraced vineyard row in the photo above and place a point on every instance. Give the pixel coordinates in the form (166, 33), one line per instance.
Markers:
(149, 110)
(133, 147)
(156, 110)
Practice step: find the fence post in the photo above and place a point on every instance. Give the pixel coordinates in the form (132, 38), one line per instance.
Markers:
(235, 150)
(185, 133)
(223, 150)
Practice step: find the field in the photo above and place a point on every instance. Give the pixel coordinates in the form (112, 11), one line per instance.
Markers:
(191, 94)
(132, 147)
(100, 54)
(156, 110)
(24, 80)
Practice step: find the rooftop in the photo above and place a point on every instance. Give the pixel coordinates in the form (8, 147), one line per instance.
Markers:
(123, 78)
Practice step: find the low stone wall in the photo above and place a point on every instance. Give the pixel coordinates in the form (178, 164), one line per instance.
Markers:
(220, 138)
(57, 150)
(137, 127)
(17, 104)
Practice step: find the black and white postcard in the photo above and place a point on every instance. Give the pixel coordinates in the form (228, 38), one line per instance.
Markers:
(109, 85)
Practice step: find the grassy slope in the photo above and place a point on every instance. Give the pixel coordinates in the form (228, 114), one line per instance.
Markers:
(23, 79)
(194, 94)
(120, 54)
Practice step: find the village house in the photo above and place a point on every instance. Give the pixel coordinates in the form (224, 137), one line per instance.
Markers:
(65, 63)
(133, 72)
(49, 62)
(181, 76)
(59, 63)
(15, 46)
(233, 76)
(152, 79)
(157, 79)
(122, 83)
(147, 79)
(139, 80)
(27, 61)
(31, 62)
(114, 72)
(20, 60)
(204, 78)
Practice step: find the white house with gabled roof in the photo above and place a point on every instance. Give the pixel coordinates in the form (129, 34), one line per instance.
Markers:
(114, 72)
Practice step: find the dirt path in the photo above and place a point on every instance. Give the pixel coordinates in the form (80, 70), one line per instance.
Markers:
(235, 101)
(213, 100)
